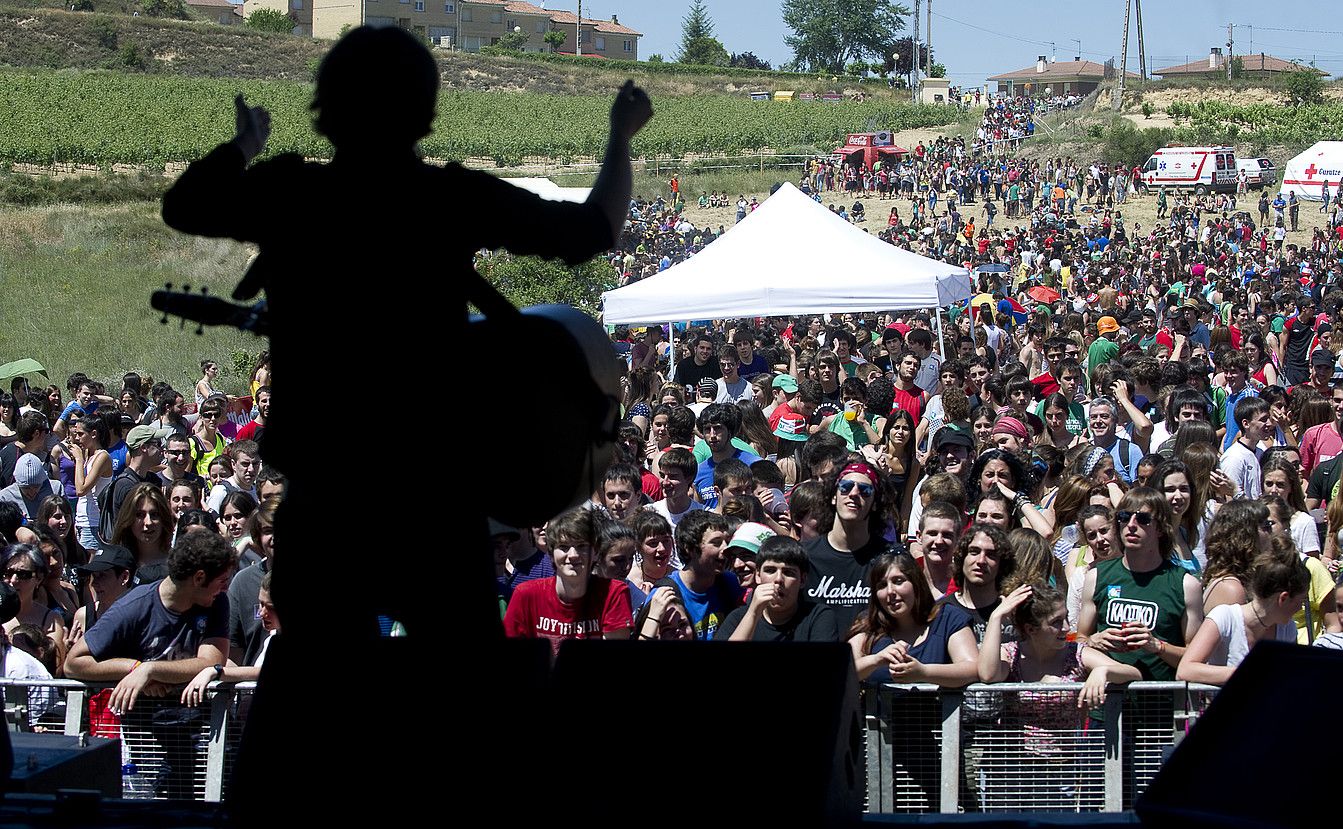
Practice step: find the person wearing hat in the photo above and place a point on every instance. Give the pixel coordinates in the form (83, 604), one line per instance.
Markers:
(1323, 364)
(705, 393)
(108, 574)
(31, 487)
(784, 389)
(1104, 349)
(741, 553)
(778, 611)
(144, 457)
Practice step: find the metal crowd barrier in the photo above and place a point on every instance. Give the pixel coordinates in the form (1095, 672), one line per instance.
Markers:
(1021, 746)
(168, 751)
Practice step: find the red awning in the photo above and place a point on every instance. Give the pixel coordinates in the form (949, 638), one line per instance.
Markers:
(892, 150)
(845, 150)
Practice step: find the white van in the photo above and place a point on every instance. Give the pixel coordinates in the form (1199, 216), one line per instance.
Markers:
(1259, 172)
(1202, 169)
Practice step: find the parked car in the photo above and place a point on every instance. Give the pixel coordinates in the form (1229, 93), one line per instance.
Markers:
(1259, 172)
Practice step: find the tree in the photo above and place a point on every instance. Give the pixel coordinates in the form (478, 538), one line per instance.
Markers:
(704, 51)
(902, 63)
(655, 58)
(748, 60)
(165, 8)
(271, 20)
(553, 39)
(828, 34)
(514, 40)
(1304, 87)
(695, 26)
(937, 70)
(858, 68)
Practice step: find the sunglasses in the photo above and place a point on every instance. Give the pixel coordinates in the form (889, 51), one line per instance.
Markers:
(21, 575)
(210, 415)
(865, 490)
(1124, 516)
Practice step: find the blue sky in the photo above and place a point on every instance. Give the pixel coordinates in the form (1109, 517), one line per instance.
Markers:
(977, 39)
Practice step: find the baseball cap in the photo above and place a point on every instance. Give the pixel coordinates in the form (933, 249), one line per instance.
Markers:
(750, 536)
(786, 382)
(498, 528)
(1106, 325)
(952, 437)
(108, 557)
(707, 386)
(29, 471)
(791, 426)
(1319, 357)
(141, 435)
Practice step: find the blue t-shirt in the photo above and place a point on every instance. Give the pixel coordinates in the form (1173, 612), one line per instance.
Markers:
(708, 493)
(73, 407)
(118, 454)
(139, 627)
(707, 610)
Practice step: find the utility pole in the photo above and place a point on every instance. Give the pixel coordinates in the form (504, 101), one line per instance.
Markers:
(914, 56)
(1142, 43)
(928, 25)
(1079, 48)
(1230, 47)
(578, 32)
(1123, 61)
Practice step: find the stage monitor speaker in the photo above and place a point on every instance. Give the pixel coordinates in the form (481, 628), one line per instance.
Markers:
(687, 732)
(1254, 758)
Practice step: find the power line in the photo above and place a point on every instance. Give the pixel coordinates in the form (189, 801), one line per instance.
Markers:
(1297, 31)
(1006, 35)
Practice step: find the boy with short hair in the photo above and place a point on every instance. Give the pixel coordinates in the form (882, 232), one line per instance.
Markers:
(778, 611)
(708, 591)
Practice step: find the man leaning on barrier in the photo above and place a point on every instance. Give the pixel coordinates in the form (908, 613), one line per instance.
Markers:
(158, 636)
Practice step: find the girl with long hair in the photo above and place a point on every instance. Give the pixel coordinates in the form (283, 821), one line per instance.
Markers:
(1281, 478)
(144, 526)
(1239, 531)
(899, 460)
(1174, 481)
(638, 400)
(905, 635)
(92, 474)
(1057, 433)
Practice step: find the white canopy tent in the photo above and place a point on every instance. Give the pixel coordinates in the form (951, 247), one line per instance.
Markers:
(790, 256)
(1306, 174)
(547, 189)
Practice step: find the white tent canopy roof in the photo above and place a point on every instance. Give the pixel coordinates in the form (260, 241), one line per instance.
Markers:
(1305, 174)
(790, 256)
(547, 189)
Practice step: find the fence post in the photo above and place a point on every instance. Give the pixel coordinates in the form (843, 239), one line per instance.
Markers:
(214, 758)
(880, 786)
(1114, 751)
(74, 711)
(951, 752)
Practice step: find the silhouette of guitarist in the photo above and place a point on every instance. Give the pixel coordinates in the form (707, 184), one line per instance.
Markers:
(366, 262)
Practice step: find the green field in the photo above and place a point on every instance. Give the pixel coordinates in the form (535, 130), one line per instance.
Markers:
(106, 118)
(1263, 123)
(77, 284)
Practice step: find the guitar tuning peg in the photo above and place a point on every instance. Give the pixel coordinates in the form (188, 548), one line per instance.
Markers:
(182, 326)
(186, 288)
(167, 286)
(164, 320)
(205, 289)
(200, 330)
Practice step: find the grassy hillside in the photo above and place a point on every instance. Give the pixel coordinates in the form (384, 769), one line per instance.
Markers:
(32, 36)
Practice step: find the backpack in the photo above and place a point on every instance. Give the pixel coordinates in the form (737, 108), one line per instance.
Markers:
(107, 519)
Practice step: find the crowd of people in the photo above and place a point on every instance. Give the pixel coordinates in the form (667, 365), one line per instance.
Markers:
(1119, 461)
(124, 518)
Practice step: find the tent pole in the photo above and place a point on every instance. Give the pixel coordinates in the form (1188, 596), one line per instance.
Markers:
(941, 343)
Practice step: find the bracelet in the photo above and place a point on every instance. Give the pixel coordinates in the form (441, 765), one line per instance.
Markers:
(643, 635)
(137, 664)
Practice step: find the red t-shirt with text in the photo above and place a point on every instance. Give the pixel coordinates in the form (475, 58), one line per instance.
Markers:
(537, 612)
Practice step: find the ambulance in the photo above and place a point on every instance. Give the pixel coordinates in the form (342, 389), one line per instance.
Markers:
(1201, 169)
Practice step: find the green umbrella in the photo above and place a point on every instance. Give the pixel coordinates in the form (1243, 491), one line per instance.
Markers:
(20, 367)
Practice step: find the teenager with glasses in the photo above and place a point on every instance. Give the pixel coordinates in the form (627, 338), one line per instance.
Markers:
(206, 441)
(1141, 607)
(24, 568)
(841, 559)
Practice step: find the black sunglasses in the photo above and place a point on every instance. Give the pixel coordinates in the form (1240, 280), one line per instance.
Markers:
(1124, 516)
(865, 490)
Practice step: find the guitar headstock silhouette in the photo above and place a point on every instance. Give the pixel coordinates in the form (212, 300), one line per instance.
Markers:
(203, 309)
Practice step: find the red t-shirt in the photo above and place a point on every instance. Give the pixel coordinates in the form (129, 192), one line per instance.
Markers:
(1045, 385)
(248, 432)
(910, 401)
(651, 486)
(777, 415)
(536, 611)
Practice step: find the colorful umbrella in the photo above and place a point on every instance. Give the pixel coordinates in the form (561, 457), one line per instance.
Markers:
(1043, 293)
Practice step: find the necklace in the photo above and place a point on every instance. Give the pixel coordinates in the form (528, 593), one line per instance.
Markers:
(1258, 617)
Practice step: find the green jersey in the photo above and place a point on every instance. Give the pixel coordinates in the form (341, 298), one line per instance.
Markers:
(1154, 599)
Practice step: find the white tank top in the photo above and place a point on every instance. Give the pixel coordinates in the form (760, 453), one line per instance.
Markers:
(86, 510)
